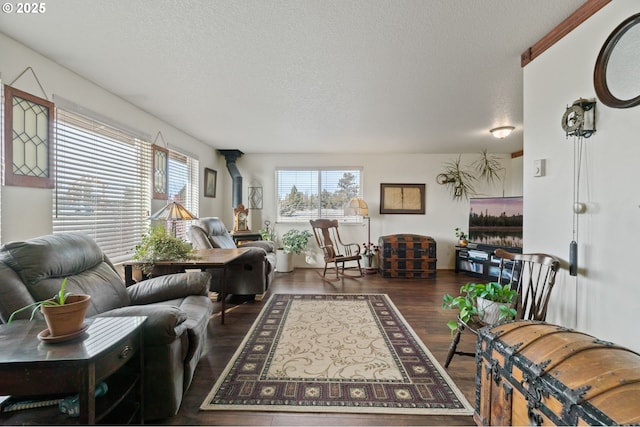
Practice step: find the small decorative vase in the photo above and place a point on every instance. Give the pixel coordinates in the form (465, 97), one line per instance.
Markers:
(68, 318)
(367, 261)
(463, 242)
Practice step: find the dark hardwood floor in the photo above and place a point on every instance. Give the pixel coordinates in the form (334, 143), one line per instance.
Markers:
(419, 301)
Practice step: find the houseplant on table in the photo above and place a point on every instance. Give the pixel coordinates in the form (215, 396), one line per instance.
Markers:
(159, 245)
(293, 242)
(64, 312)
(487, 302)
(462, 237)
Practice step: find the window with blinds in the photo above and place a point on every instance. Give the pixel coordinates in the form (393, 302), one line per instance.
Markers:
(102, 184)
(183, 186)
(312, 193)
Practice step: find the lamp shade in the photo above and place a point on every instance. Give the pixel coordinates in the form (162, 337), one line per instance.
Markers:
(502, 131)
(357, 206)
(173, 211)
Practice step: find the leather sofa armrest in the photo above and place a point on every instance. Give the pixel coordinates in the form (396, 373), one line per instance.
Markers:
(168, 287)
(164, 323)
(267, 245)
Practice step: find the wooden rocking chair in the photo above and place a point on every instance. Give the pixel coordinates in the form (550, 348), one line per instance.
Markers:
(334, 251)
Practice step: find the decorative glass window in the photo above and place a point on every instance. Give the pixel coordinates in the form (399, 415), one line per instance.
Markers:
(28, 139)
(160, 172)
(312, 193)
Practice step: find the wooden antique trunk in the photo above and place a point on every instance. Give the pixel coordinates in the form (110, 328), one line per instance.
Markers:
(407, 255)
(535, 373)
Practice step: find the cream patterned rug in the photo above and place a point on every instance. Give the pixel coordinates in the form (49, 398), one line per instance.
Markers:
(334, 353)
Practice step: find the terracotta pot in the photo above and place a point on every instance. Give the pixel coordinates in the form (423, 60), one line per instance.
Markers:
(68, 318)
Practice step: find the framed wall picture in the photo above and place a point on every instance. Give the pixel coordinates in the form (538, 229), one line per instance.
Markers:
(402, 198)
(210, 181)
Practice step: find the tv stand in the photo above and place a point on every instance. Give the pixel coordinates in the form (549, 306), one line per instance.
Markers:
(480, 261)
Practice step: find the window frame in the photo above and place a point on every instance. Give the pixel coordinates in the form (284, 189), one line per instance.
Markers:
(319, 170)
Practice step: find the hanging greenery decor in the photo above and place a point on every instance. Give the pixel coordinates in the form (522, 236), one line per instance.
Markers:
(461, 179)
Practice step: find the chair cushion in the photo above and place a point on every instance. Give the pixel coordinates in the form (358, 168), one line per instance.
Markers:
(57, 255)
(217, 232)
(42, 263)
(13, 295)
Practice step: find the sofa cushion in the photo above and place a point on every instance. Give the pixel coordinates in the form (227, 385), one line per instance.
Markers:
(168, 287)
(13, 295)
(164, 324)
(57, 255)
(267, 245)
(42, 264)
(217, 232)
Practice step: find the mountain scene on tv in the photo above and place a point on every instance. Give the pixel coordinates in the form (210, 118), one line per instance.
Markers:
(496, 221)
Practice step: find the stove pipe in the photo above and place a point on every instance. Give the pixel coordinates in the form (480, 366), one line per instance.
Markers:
(236, 189)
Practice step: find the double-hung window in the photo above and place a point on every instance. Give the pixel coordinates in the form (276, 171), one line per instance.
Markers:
(312, 193)
(102, 184)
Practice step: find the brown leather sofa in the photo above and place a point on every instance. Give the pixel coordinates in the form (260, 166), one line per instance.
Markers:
(250, 274)
(177, 306)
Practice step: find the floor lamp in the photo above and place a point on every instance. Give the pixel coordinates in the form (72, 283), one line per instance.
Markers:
(358, 207)
(173, 212)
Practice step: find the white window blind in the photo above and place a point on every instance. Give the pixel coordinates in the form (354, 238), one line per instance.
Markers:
(183, 185)
(103, 184)
(311, 193)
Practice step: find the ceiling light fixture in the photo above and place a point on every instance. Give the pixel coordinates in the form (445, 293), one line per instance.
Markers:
(502, 131)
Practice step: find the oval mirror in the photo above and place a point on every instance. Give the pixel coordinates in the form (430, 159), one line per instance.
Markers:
(617, 73)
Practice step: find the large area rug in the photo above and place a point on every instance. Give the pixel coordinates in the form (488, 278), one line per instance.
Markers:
(334, 353)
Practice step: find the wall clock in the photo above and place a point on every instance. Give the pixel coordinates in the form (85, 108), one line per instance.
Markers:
(579, 118)
(572, 119)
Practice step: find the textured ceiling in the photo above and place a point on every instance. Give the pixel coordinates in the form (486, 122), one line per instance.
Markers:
(307, 76)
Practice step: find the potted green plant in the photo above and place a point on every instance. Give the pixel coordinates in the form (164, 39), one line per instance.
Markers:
(462, 237)
(64, 313)
(293, 241)
(267, 233)
(159, 245)
(488, 302)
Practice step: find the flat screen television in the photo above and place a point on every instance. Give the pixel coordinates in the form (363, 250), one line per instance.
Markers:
(496, 221)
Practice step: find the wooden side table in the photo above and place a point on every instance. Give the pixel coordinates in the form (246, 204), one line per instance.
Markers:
(206, 258)
(110, 350)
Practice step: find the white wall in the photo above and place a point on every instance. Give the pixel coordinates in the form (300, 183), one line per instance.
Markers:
(442, 216)
(603, 299)
(26, 212)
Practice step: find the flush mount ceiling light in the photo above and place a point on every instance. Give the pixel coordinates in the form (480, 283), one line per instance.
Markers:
(502, 131)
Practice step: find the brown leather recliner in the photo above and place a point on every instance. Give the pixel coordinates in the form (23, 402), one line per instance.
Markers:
(177, 306)
(250, 274)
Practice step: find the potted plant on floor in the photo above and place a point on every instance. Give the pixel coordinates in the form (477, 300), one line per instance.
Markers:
(64, 313)
(489, 303)
(293, 242)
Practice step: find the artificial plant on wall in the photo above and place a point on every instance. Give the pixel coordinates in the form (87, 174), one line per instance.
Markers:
(461, 178)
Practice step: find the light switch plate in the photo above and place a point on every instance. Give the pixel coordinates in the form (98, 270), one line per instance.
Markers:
(538, 167)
